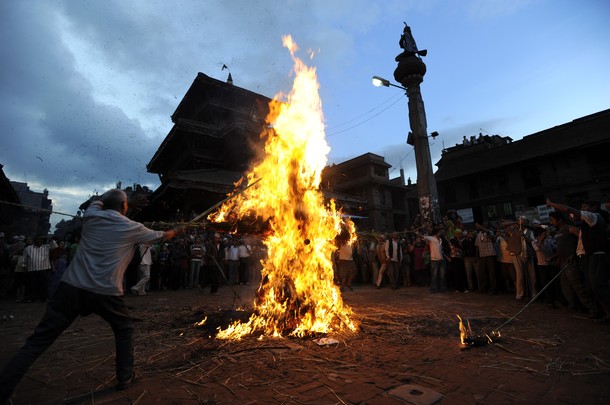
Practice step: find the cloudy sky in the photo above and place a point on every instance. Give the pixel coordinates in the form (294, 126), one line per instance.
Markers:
(88, 87)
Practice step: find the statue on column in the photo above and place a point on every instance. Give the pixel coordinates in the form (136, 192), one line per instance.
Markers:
(407, 42)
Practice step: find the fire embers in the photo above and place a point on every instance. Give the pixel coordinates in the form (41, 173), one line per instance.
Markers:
(469, 339)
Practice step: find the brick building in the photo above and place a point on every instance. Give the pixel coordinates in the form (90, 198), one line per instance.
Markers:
(10, 206)
(35, 220)
(497, 178)
(215, 136)
(386, 204)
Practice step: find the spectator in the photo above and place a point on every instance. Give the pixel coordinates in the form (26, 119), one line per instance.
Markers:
(346, 266)
(438, 277)
(505, 262)
(143, 269)
(59, 264)
(519, 239)
(546, 249)
(20, 275)
(5, 266)
(37, 258)
(393, 253)
(486, 261)
(456, 272)
(197, 253)
(164, 261)
(573, 282)
(245, 262)
(470, 259)
(215, 256)
(592, 248)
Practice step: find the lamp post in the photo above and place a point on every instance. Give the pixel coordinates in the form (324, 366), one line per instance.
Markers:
(410, 73)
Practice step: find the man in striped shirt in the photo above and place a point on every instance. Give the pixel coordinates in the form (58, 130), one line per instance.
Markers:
(38, 266)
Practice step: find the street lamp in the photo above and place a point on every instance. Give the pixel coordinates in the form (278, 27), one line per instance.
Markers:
(411, 137)
(380, 81)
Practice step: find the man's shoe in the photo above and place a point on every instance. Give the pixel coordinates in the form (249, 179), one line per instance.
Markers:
(123, 385)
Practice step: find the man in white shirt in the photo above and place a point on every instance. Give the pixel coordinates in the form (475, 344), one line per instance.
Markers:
(346, 268)
(143, 269)
(232, 257)
(438, 276)
(92, 283)
(245, 257)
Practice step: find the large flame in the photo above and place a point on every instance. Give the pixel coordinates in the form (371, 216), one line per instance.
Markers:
(297, 296)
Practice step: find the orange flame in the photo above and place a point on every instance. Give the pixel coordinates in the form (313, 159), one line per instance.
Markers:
(297, 296)
(464, 332)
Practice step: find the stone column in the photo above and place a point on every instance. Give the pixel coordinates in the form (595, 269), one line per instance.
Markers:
(410, 73)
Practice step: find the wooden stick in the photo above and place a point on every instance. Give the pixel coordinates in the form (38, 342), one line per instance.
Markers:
(218, 204)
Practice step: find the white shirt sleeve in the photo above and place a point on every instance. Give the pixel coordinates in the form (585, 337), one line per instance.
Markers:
(589, 217)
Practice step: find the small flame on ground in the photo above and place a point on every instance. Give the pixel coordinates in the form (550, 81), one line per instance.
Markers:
(463, 331)
(298, 296)
(467, 337)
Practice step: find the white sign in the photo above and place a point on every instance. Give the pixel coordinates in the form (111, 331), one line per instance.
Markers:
(467, 215)
(543, 212)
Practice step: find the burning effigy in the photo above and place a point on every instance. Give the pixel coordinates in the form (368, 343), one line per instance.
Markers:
(297, 295)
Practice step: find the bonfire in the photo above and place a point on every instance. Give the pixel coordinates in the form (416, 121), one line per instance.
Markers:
(297, 295)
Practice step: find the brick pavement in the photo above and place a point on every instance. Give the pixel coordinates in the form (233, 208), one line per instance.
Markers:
(408, 338)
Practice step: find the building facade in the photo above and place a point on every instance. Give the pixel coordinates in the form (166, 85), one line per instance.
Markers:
(36, 214)
(215, 137)
(10, 206)
(386, 204)
(493, 178)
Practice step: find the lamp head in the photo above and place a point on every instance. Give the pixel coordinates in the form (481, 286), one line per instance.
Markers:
(379, 81)
(410, 139)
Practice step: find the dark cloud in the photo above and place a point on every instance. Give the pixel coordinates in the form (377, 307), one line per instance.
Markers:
(54, 128)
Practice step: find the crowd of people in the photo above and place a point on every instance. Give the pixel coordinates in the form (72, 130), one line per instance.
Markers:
(563, 263)
(507, 257)
(566, 259)
(198, 260)
(31, 268)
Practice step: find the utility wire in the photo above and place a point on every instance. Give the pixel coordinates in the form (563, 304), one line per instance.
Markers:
(401, 160)
(37, 209)
(399, 95)
(362, 122)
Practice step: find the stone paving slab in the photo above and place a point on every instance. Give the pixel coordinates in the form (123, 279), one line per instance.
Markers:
(416, 394)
